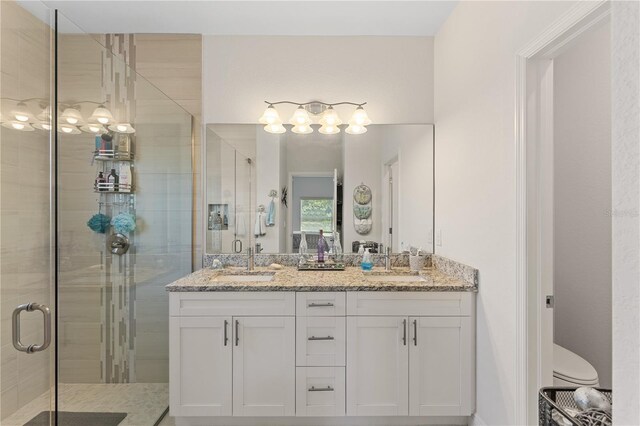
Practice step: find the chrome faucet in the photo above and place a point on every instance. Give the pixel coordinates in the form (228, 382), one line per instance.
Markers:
(250, 259)
(387, 260)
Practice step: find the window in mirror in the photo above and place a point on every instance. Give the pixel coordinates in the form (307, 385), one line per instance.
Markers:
(316, 214)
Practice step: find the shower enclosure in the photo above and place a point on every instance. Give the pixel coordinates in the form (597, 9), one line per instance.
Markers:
(89, 251)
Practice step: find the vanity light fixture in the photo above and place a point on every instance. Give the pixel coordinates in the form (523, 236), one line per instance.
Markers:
(96, 128)
(21, 113)
(328, 118)
(18, 125)
(122, 128)
(101, 115)
(71, 116)
(68, 129)
(42, 125)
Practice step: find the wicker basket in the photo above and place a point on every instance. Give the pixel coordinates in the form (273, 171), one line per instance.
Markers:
(554, 398)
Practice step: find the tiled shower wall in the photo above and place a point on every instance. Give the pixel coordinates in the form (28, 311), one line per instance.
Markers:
(24, 205)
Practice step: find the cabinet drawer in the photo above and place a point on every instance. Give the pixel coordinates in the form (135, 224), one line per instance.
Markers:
(310, 304)
(410, 303)
(320, 391)
(320, 341)
(250, 303)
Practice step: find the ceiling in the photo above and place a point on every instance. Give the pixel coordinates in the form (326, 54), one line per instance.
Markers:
(328, 18)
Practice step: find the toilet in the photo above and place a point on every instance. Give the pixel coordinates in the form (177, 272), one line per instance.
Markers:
(571, 370)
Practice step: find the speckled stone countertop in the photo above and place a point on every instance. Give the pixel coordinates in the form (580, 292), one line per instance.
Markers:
(351, 279)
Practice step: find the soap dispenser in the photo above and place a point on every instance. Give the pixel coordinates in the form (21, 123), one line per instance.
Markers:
(367, 263)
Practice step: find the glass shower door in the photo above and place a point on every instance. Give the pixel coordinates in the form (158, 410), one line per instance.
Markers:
(27, 302)
(124, 229)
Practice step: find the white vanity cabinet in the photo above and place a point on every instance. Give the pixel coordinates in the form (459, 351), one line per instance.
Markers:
(321, 354)
(232, 354)
(410, 354)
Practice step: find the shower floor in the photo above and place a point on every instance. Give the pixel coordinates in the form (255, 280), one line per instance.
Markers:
(144, 403)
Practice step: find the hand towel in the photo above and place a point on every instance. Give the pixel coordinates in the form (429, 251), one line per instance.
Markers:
(271, 214)
(259, 228)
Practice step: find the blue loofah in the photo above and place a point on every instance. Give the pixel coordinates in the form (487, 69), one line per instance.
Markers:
(124, 223)
(99, 223)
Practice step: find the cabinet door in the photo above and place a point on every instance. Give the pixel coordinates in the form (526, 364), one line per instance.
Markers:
(200, 366)
(440, 366)
(377, 366)
(264, 366)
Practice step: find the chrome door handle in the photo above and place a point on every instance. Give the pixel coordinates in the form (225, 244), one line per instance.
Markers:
(226, 336)
(15, 326)
(321, 338)
(319, 305)
(404, 332)
(315, 389)
(415, 332)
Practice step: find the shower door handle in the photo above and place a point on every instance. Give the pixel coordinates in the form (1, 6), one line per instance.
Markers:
(15, 327)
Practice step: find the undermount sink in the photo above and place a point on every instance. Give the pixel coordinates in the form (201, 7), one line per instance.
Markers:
(244, 278)
(396, 278)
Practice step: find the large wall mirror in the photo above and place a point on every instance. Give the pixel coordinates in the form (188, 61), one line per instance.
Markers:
(272, 191)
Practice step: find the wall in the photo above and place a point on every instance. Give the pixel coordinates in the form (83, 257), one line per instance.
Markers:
(582, 200)
(475, 209)
(24, 204)
(246, 71)
(365, 157)
(625, 134)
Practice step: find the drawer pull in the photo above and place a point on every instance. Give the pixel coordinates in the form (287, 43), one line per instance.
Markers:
(226, 336)
(320, 305)
(321, 338)
(315, 389)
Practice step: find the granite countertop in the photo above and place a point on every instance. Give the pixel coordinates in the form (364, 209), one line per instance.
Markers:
(351, 279)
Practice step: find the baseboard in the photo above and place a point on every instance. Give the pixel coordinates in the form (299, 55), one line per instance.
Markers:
(323, 421)
(475, 420)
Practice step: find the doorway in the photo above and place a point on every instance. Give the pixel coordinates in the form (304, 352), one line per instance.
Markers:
(535, 147)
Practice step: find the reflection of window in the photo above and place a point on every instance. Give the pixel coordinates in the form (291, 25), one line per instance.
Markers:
(316, 214)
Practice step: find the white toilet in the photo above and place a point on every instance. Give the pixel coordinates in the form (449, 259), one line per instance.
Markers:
(571, 370)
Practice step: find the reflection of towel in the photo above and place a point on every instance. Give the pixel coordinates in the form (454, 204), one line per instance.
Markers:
(241, 226)
(271, 214)
(261, 224)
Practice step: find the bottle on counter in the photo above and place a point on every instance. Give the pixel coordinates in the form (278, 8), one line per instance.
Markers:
(322, 245)
(367, 262)
(113, 180)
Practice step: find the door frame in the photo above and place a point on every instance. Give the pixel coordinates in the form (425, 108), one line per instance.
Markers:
(534, 202)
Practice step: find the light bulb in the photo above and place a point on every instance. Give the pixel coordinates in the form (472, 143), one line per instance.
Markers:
(45, 126)
(270, 116)
(67, 129)
(72, 120)
(330, 117)
(275, 128)
(21, 117)
(360, 117)
(356, 129)
(329, 130)
(17, 126)
(300, 117)
(103, 120)
(302, 129)
(121, 127)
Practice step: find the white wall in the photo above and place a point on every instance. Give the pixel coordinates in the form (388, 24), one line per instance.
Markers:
(582, 199)
(393, 74)
(475, 209)
(625, 135)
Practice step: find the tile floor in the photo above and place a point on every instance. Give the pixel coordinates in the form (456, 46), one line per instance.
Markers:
(144, 403)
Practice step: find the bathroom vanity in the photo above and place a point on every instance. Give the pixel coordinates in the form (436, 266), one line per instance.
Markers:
(380, 347)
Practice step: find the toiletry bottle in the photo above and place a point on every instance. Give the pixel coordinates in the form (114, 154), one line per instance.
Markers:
(124, 146)
(367, 263)
(106, 144)
(100, 180)
(321, 247)
(210, 221)
(361, 248)
(112, 179)
(124, 180)
(98, 144)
